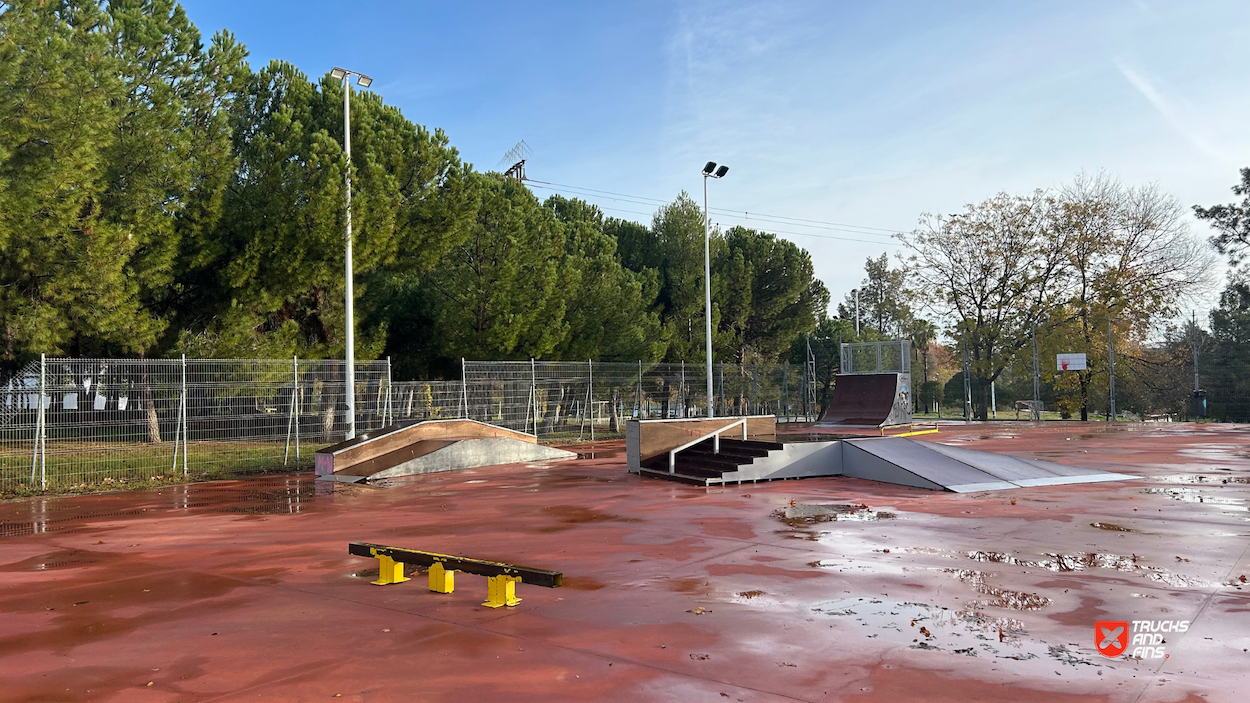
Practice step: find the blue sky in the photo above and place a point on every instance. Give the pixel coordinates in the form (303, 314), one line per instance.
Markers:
(848, 112)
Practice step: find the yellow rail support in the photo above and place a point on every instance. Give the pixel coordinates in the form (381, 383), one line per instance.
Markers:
(501, 591)
(911, 429)
(389, 571)
(442, 580)
(502, 578)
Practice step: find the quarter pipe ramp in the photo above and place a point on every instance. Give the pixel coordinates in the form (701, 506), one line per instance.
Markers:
(869, 400)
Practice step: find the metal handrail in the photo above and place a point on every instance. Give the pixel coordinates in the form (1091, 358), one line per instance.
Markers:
(715, 435)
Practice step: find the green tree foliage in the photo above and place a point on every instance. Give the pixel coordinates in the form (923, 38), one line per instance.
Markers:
(769, 295)
(609, 307)
(676, 245)
(1231, 222)
(1226, 357)
(272, 271)
(498, 295)
(158, 196)
(62, 265)
(883, 299)
(110, 126)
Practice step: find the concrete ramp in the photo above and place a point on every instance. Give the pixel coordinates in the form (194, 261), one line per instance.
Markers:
(941, 467)
(429, 447)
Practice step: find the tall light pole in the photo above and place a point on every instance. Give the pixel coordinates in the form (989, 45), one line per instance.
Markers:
(709, 171)
(342, 74)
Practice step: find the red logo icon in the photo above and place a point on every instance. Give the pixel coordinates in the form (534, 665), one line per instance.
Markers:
(1111, 637)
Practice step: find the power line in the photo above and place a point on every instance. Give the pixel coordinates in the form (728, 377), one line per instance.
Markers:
(772, 231)
(746, 215)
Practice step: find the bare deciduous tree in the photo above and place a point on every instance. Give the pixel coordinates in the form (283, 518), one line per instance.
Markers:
(990, 272)
(1131, 259)
(1073, 260)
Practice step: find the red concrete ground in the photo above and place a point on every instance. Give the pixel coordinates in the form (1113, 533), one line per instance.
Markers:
(243, 590)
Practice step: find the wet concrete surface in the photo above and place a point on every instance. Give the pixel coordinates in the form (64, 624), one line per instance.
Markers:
(815, 590)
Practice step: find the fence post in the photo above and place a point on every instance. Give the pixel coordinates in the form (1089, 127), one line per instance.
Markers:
(389, 414)
(639, 396)
(724, 408)
(755, 387)
(534, 392)
(785, 389)
(185, 420)
(290, 417)
(295, 374)
(182, 406)
(681, 389)
(590, 395)
(39, 455)
(464, 390)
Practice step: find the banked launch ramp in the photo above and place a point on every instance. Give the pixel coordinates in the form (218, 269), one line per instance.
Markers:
(938, 466)
(428, 447)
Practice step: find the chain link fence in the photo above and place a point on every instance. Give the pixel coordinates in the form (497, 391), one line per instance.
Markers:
(83, 423)
(562, 400)
(67, 423)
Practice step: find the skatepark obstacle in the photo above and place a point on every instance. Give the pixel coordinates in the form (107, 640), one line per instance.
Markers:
(428, 447)
(501, 578)
(705, 454)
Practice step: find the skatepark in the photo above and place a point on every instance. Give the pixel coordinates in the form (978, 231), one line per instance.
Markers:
(815, 589)
(826, 352)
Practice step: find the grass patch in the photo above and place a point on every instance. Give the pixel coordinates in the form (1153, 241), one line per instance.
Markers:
(83, 467)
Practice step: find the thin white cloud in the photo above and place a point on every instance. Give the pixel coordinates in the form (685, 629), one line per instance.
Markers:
(1175, 115)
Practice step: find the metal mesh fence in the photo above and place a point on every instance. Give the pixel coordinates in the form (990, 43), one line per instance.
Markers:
(892, 356)
(576, 400)
(68, 423)
(81, 423)
(427, 400)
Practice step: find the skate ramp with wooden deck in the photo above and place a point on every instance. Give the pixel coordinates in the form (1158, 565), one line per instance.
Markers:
(429, 447)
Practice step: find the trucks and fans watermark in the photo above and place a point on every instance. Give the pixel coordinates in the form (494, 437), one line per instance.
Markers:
(1142, 639)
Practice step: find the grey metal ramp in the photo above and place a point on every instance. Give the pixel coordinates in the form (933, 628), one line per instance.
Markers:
(911, 463)
(1024, 472)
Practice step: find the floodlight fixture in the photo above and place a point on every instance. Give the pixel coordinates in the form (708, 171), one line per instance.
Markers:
(709, 168)
(364, 81)
(338, 73)
(720, 172)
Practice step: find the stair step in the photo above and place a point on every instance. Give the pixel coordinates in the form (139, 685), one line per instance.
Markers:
(703, 462)
(727, 452)
(752, 443)
(709, 462)
(683, 478)
(698, 471)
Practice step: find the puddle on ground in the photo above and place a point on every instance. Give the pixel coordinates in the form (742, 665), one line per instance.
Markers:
(1111, 526)
(569, 516)
(1201, 479)
(253, 496)
(1076, 561)
(1194, 495)
(800, 516)
(999, 597)
(63, 559)
(962, 632)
